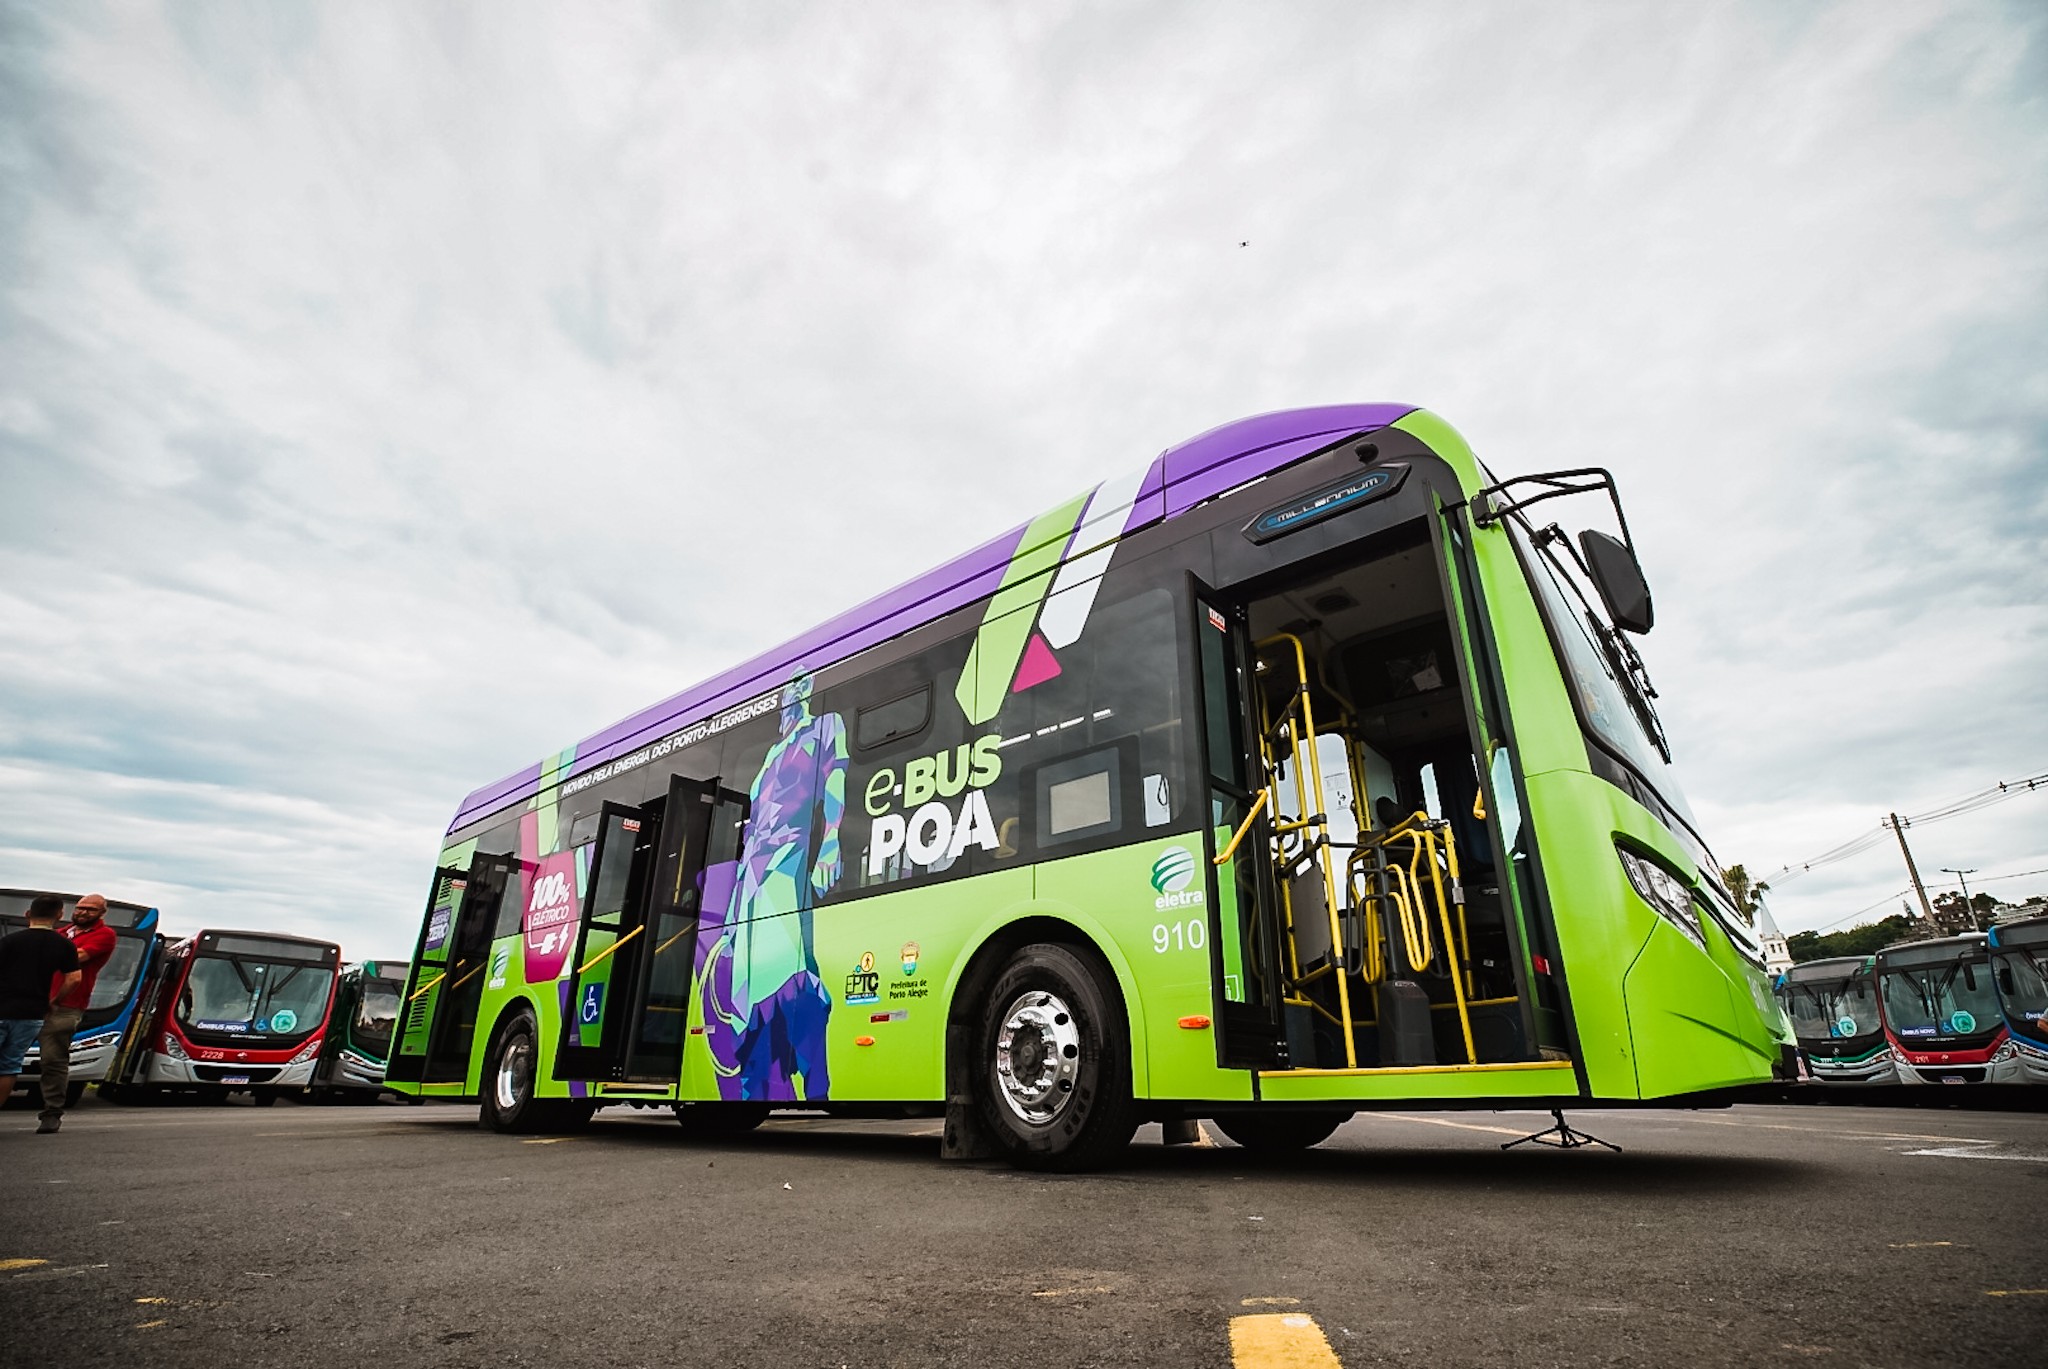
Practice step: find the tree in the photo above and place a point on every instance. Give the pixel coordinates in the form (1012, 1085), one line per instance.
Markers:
(1868, 939)
(1748, 894)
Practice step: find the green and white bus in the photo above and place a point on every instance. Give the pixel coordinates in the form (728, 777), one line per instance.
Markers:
(1300, 772)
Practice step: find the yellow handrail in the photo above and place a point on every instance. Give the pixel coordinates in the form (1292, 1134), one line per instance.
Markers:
(606, 953)
(1243, 827)
(428, 985)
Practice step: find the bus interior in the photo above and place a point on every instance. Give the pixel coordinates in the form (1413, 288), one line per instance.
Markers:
(1365, 747)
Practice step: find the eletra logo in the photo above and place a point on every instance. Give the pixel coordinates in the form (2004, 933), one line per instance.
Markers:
(1172, 872)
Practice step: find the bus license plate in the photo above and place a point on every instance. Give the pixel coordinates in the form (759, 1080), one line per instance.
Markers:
(234, 1079)
(1951, 1078)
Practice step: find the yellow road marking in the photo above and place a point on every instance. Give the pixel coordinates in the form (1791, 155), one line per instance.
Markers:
(2016, 1292)
(20, 1264)
(1440, 1122)
(153, 1300)
(151, 1325)
(1280, 1340)
(1918, 1245)
(1270, 1302)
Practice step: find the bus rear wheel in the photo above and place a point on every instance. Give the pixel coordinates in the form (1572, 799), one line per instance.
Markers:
(1277, 1132)
(510, 1074)
(1052, 1064)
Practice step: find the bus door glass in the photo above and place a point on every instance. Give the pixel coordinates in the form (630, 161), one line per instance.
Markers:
(611, 947)
(1242, 900)
(700, 827)
(459, 932)
(1495, 847)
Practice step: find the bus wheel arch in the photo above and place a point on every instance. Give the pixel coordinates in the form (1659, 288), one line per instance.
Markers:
(508, 1089)
(1039, 999)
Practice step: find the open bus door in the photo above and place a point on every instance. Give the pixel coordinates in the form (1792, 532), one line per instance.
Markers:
(1243, 899)
(447, 984)
(627, 1015)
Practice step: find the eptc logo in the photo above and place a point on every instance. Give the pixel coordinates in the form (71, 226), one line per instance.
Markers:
(1172, 873)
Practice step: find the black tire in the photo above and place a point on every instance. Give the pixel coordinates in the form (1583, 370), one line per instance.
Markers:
(719, 1121)
(262, 1098)
(1052, 1062)
(510, 1073)
(1274, 1133)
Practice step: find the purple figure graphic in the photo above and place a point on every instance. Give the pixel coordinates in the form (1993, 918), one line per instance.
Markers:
(779, 1005)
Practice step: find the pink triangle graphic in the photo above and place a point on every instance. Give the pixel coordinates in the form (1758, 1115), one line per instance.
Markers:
(1038, 665)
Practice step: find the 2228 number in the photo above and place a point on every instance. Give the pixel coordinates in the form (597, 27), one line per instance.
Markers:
(1191, 935)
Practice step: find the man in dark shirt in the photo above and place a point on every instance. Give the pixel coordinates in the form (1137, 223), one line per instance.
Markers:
(33, 964)
(93, 939)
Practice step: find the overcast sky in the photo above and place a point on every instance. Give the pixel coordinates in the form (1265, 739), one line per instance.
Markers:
(391, 394)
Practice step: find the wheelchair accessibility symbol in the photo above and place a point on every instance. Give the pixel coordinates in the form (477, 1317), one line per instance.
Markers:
(593, 1004)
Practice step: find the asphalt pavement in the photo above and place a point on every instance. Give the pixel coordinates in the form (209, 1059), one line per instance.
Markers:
(301, 1236)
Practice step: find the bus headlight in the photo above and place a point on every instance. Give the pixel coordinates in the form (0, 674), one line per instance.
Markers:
(306, 1052)
(173, 1049)
(1663, 891)
(2006, 1051)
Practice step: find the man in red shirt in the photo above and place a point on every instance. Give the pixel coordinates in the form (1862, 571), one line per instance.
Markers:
(93, 939)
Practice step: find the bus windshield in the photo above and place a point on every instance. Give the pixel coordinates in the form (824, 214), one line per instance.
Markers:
(2022, 973)
(377, 1013)
(117, 976)
(1944, 1002)
(1837, 1009)
(1612, 705)
(245, 997)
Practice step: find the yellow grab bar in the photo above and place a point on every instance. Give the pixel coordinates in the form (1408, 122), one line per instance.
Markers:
(1264, 796)
(605, 954)
(428, 985)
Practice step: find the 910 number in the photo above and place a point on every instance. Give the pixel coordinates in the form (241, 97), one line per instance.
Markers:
(1191, 935)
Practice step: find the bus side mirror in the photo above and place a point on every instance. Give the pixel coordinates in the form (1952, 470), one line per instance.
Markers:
(1619, 578)
(2005, 980)
(1969, 977)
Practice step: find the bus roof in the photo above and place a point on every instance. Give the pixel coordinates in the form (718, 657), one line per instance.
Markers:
(1932, 952)
(1178, 479)
(2031, 931)
(1827, 969)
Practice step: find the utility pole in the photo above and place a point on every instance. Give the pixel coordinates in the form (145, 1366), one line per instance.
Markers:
(1975, 926)
(1899, 831)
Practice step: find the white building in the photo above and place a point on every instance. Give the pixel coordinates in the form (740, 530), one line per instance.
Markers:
(1777, 955)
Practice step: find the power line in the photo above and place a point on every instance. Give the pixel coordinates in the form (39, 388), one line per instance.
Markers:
(2002, 792)
(1900, 895)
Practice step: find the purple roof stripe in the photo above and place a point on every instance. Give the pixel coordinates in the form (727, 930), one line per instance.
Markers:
(1181, 477)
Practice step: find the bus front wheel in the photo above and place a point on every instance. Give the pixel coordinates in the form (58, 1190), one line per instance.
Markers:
(1053, 1063)
(508, 1085)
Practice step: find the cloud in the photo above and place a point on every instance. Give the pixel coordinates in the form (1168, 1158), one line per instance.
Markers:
(385, 403)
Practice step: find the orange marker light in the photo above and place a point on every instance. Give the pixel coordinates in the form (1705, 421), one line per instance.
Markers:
(1195, 1023)
(863, 1040)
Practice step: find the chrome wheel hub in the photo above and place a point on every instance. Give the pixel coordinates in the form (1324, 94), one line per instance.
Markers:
(515, 1074)
(1038, 1057)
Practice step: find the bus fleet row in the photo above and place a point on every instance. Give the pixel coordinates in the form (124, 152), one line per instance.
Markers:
(226, 1012)
(1967, 1009)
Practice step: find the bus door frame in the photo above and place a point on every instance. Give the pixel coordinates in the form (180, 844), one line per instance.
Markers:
(1249, 1035)
(446, 1059)
(659, 915)
(1524, 892)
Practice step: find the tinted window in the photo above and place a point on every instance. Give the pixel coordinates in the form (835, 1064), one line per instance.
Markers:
(894, 720)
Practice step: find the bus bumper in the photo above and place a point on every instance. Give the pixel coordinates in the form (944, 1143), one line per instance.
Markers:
(90, 1057)
(191, 1074)
(352, 1071)
(2026, 1065)
(1878, 1069)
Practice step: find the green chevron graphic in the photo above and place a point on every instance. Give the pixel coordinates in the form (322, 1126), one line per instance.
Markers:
(1013, 612)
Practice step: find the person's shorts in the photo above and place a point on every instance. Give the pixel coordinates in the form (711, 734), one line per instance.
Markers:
(17, 1034)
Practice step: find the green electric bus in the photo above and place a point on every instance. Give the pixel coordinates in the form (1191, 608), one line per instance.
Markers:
(1302, 771)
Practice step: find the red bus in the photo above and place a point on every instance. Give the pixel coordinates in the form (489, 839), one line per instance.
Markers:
(230, 1012)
